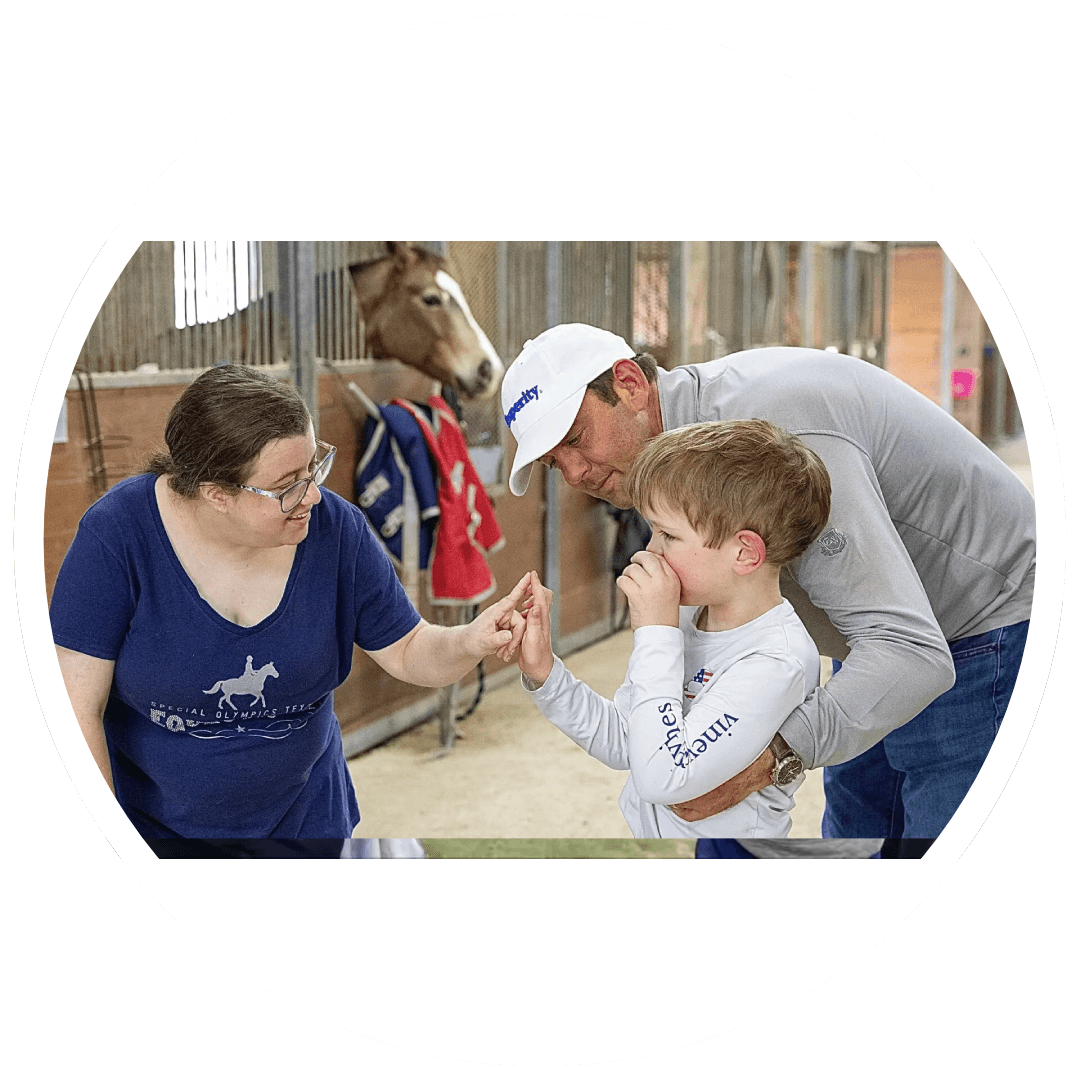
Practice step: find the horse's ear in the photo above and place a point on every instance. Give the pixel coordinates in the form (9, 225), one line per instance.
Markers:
(403, 252)
(369, 281)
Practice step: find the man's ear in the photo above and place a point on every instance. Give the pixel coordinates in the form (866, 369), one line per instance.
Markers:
(630, 383)
(750, 553)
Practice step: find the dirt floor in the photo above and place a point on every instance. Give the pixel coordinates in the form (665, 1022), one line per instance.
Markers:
(514, 774)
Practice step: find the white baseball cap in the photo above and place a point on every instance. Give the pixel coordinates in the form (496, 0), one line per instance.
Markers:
(543, 388)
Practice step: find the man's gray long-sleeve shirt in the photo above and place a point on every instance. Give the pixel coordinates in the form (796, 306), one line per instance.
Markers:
(931, 537)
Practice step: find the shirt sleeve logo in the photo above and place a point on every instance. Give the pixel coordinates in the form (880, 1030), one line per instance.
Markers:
(832, 542)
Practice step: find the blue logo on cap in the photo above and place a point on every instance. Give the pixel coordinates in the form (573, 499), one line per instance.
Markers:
(528, 395)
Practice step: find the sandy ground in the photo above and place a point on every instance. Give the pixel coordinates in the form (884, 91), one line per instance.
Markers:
(514, 774)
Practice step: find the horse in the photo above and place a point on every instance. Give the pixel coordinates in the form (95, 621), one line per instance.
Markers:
(250, 684)
(415, 312)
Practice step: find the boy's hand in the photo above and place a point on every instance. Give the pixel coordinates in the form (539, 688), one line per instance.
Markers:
(536, 659)
(652, 590)
(495, 630)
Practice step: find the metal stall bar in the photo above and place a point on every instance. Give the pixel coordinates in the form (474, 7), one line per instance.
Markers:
(948, 323)
(746, 293)
(851, 299)
(296, 267)
(678, 308)
(806, 292)
(552, 477)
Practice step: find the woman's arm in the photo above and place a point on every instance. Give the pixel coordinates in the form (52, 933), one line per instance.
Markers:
(88, 681)
(440, 655)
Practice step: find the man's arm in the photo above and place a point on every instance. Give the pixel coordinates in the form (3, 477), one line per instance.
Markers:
(754, 777)
(861, 576)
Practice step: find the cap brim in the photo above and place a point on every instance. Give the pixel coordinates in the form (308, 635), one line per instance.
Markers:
(543, 437)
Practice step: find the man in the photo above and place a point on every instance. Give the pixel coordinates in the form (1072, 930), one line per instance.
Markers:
(923, 576)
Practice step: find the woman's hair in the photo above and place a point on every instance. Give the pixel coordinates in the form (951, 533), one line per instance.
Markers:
(220, 424)
(736, 474)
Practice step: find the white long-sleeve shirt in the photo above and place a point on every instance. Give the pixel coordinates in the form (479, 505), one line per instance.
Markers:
(696, 709)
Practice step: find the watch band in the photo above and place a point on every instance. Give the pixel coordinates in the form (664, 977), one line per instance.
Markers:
(788, 764)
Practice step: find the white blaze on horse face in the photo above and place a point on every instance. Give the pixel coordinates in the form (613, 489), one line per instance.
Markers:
(450, 286)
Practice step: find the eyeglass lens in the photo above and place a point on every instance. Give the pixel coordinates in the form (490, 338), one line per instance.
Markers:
(293, 495)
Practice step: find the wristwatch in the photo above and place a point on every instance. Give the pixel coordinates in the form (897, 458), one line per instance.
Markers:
(788, 763)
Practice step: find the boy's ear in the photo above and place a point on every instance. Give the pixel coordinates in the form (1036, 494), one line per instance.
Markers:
(750, 553)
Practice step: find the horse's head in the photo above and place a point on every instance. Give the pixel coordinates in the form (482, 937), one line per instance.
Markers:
(268, 670)
(414, 311)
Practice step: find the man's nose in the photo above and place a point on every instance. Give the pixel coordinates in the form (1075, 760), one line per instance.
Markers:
(573, 467)
(653, 545)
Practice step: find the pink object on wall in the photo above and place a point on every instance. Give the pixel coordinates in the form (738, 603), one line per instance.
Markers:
(963, 383)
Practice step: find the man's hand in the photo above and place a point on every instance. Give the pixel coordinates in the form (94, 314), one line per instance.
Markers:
(757, 775)
(652, 590)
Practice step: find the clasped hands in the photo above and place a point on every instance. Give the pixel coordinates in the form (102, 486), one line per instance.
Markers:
(649, 584)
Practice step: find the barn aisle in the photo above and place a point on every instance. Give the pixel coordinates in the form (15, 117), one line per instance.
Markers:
(513, 774)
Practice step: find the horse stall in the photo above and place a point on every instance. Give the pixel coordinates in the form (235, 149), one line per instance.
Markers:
(296, 310)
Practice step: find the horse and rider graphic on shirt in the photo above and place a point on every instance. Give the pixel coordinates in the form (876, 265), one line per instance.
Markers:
(250, 684)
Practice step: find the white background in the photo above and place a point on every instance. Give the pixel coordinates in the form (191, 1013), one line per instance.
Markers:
(529, 127)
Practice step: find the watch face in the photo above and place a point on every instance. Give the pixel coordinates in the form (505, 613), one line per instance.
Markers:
(787, 769)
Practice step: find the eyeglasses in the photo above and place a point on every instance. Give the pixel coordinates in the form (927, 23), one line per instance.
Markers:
(294, 494)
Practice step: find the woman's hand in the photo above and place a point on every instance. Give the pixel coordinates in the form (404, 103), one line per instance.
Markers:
(652, 590)
(499, 628)
(440, 655)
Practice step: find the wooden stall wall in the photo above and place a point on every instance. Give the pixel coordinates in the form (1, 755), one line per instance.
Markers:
(917, 330)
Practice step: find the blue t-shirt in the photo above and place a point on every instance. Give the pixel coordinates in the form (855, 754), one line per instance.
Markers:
(217, 730)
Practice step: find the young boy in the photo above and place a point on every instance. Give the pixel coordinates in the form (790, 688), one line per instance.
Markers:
(720, 658)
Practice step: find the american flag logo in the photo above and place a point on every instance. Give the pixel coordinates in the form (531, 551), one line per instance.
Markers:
(697, 683)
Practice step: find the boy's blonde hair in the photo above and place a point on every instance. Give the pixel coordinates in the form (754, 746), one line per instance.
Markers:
(736, 474)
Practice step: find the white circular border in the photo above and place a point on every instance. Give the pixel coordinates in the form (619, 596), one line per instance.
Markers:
(520, 957)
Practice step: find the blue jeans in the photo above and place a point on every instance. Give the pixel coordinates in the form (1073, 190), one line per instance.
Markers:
(732, 849)
(721, 849)
(910, 783)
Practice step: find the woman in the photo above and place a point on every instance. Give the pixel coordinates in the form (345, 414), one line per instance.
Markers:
(207, 609)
